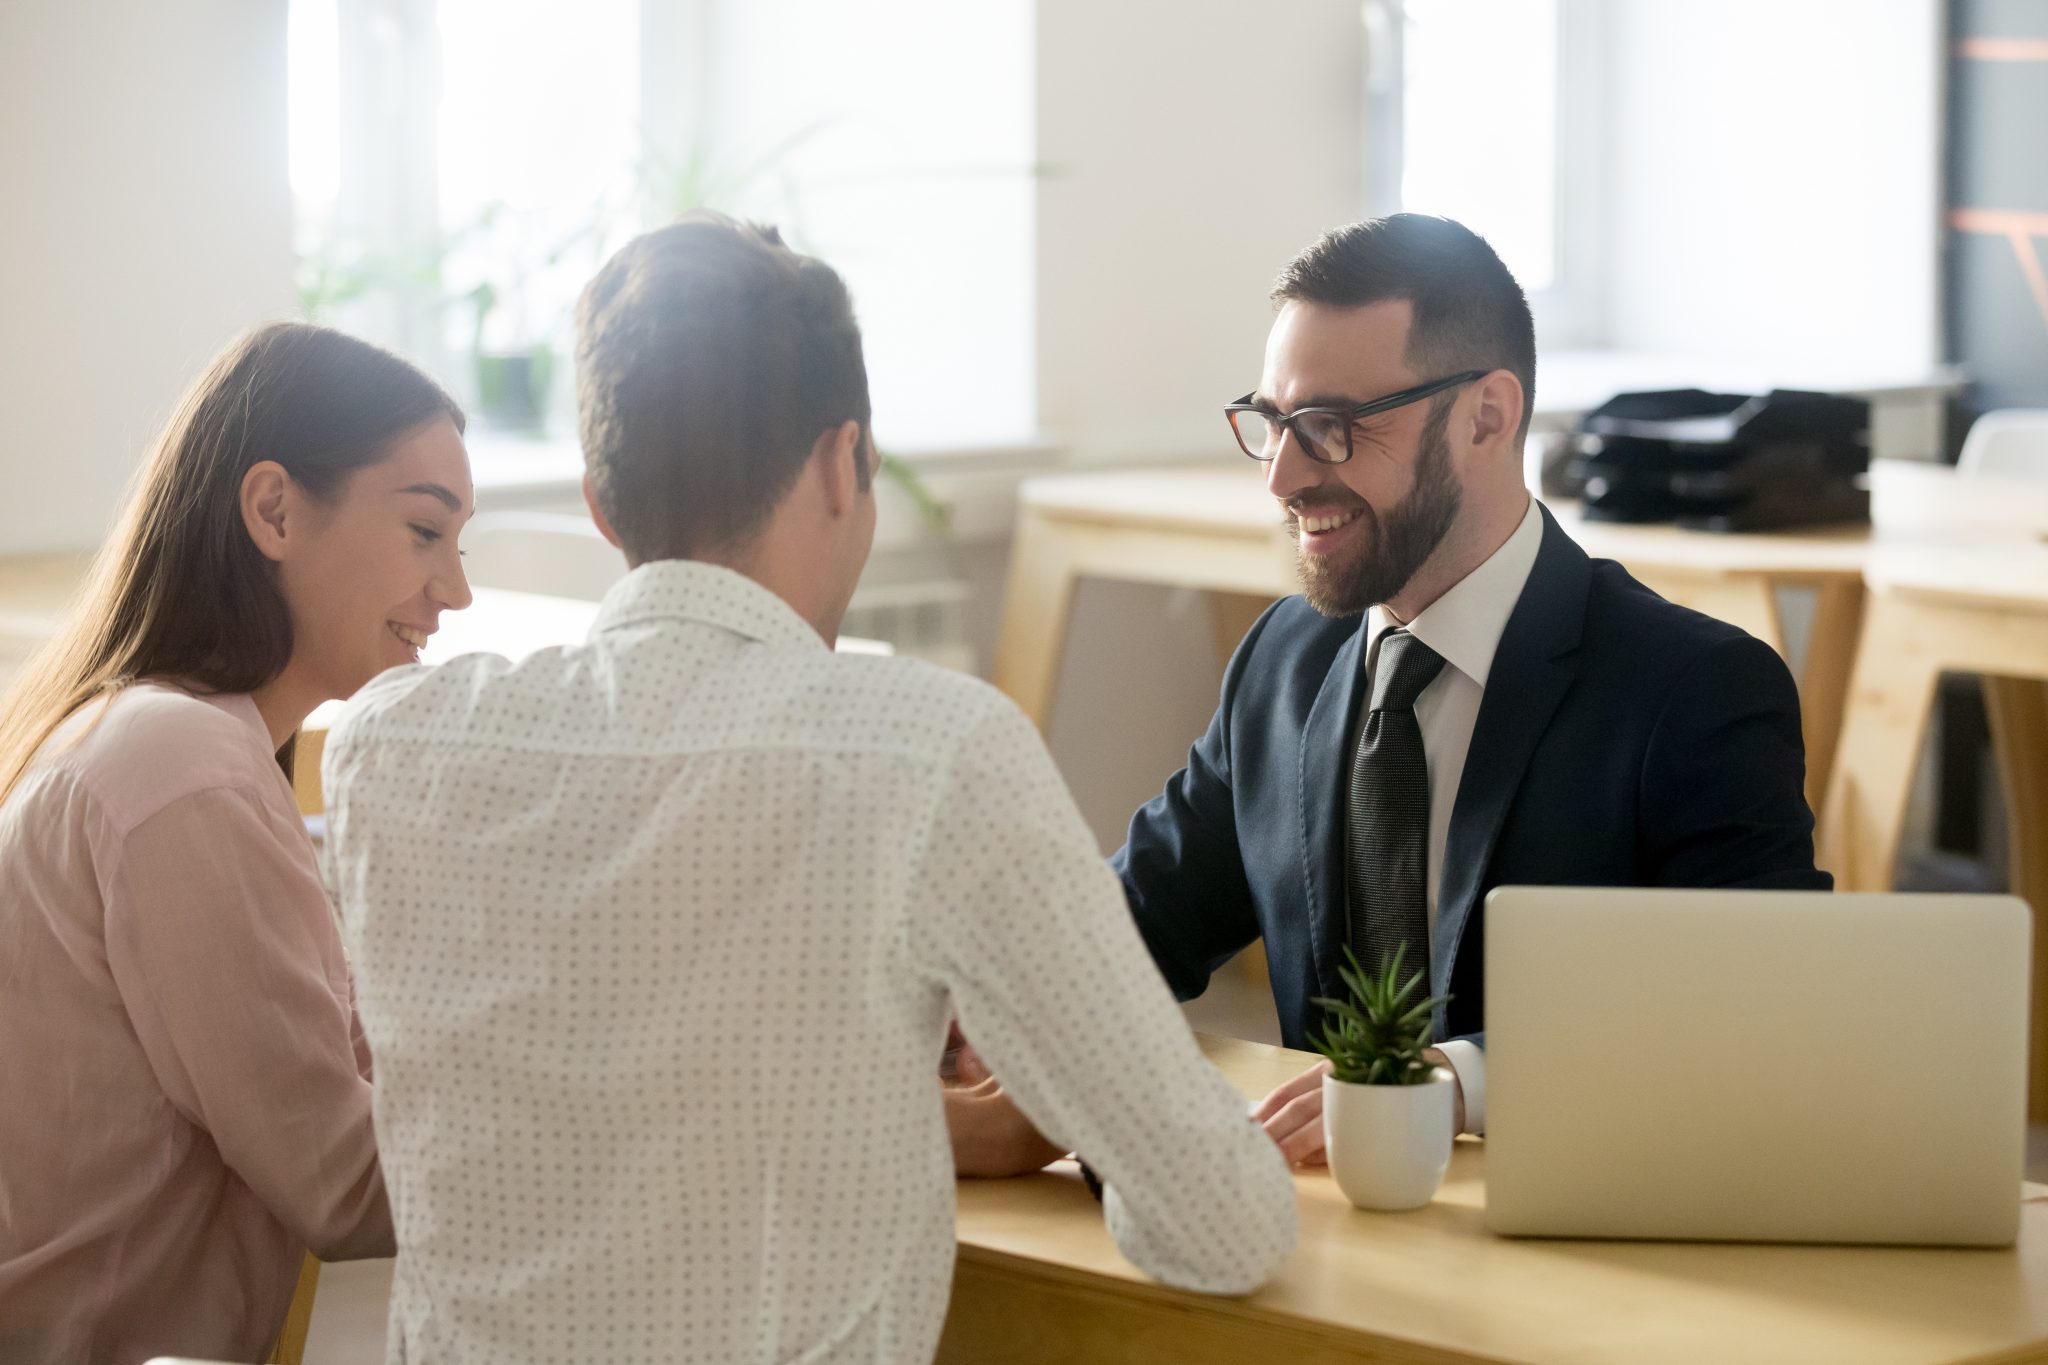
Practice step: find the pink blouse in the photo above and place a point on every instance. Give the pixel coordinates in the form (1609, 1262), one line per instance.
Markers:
(184, 1089)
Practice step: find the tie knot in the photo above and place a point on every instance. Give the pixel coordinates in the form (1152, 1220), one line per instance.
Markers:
(1405, 667)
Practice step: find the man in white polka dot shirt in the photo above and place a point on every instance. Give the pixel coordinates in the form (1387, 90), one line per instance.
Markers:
(657, 937)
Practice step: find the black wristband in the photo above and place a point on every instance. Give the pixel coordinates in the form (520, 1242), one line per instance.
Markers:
(1091, 1180)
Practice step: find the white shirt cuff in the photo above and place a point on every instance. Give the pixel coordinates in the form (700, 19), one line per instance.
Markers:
(1468, 1063)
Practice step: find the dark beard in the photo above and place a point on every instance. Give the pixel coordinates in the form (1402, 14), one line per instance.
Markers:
(1397, 544)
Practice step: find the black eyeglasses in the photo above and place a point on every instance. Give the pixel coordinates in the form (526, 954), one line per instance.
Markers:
(1324, 433)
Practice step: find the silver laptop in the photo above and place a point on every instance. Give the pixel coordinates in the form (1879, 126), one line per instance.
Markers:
(1756, 1065)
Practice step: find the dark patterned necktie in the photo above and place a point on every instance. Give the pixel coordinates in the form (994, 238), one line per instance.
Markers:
(1386, 822)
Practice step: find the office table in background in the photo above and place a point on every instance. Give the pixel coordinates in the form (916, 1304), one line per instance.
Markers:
(35, 593)
(1215, 528)
(1979, 608)
(499, 621)
(1958, 561)
(1038, 1279)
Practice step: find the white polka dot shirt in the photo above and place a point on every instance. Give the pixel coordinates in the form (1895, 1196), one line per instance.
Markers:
(656, 939)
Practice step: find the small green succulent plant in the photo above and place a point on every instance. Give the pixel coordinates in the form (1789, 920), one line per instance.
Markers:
(1377, 1036)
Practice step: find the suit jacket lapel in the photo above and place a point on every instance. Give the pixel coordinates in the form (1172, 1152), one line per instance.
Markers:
(1530, 675)
(1321, 812)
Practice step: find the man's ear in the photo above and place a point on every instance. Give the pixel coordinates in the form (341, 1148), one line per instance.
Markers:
(266, 508)
(839, 453)
(604, 527)
(1498, 413)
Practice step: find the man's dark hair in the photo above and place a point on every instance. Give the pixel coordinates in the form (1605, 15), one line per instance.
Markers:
(1469, 312)
(709, 359)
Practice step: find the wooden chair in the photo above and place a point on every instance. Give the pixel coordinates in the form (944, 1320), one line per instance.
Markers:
(2009, 441)
(298, 1319)
(291, 1341)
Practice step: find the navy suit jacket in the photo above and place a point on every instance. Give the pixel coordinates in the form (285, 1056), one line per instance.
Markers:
(1621, 741)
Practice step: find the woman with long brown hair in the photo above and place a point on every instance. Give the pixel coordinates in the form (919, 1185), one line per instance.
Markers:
(186, 1090)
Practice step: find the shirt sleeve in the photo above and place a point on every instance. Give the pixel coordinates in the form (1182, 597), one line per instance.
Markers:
(1020, 919)
(225, 952)
(1468, 1064)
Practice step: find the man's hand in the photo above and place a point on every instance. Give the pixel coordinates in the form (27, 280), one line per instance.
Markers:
(1293, 1113)
(961, 1064)
(991, 1136)
(1293, 1117)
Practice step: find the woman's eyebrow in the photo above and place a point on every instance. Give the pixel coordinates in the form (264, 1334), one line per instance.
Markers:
(437, 492)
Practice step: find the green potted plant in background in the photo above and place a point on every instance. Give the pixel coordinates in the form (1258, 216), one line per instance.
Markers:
(511, 325)
(511, 382)
(1387, 1113)
(528, 268)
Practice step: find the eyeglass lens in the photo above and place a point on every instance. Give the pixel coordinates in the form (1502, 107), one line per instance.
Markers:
(1322, 432)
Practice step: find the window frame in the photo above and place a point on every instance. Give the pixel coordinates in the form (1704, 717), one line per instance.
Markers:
(1572, 312)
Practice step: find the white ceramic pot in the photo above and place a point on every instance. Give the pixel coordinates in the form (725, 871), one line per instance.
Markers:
(1389, 1144)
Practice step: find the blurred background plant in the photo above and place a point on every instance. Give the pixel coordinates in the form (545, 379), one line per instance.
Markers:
(508, 280)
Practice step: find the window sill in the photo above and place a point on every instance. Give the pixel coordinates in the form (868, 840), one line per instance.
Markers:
(510, 463)
(978, 483)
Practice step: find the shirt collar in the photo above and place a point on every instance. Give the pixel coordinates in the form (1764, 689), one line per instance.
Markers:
(242, 706)
(691, 590)
(1466, 623)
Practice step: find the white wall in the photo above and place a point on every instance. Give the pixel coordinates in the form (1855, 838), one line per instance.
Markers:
(1773, 182)
(147, 220)
(1190, 149)
(912, 141)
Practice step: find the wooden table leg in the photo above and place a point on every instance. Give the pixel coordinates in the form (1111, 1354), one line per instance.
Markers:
(1036, 606)
(1824, 680)
(1890, 695)
(2019, 737)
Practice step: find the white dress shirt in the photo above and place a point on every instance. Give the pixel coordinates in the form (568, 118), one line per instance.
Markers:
(1464, 626)
(657, 938)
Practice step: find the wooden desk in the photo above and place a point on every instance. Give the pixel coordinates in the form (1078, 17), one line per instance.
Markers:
(1737, 579)
(1981, 609)
(35, 593)
(1038, 1279)
(499, 621)
(1215, 527)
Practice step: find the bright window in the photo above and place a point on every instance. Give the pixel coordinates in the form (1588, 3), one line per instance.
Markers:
(1479, 131)
(538, 135)
(1482, 111)
(461, 167)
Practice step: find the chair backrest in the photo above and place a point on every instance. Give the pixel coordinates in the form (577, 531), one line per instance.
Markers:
(298, 1319)
(291, 1341)
(2012, 442)
(557, 553)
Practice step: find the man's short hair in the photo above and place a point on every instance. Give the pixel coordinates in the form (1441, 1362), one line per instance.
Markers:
(1469, 312)
(709, 359)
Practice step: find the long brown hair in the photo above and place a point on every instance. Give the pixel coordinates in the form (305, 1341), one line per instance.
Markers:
(179, 590)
